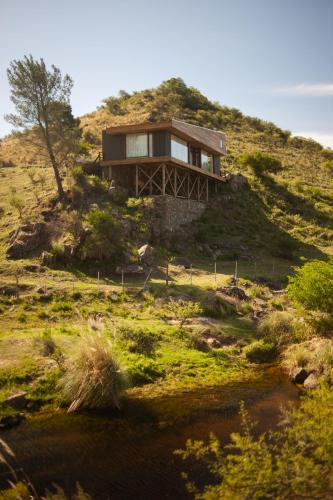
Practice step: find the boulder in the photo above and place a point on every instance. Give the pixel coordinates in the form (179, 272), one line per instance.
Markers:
(46, 258)
(33, 268)
(9, 290)
(27, 238)
(299, 375)
(213, 342)
(17, 401)
(311, 382)
(130, 269)
(10, 421)
(234, 291)
(146, 254)
(181, 261)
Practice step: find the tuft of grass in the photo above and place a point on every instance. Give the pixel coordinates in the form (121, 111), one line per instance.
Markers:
(93, 377)
(260, 352)
(277, 328)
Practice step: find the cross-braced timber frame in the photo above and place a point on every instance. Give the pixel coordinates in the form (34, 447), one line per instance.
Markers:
(166, 179)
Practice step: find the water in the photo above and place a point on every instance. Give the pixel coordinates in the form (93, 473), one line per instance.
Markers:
(130, 456)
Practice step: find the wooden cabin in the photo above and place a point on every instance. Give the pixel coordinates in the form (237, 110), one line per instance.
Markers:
(167, 158)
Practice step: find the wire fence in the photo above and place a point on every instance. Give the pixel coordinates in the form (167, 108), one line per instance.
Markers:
(211, 274)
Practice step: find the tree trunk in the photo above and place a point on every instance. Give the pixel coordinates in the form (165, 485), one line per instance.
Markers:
(57, 176)
(54, 164)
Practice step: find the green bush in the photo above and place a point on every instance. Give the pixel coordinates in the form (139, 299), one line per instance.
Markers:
(294, 462)
(92, 378)
(260, 352)
(57, 251)
(259, 162)
(106, 238)
(312, 286)
(140, 340)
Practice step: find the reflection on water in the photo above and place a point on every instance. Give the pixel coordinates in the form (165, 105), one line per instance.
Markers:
(130, 456)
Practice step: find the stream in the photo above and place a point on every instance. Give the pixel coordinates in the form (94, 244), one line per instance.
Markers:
(130, 456)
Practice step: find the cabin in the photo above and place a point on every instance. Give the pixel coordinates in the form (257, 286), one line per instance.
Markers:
(167, 158)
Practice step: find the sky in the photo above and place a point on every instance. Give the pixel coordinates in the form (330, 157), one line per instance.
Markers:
(271, 59)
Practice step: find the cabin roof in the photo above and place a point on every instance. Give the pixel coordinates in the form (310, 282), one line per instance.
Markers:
(204, 137)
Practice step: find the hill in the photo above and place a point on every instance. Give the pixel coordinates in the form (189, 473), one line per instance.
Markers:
(294, 202)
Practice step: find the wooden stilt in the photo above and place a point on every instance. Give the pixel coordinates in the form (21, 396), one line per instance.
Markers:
(163, 180)
(136, 181)
(207, 190)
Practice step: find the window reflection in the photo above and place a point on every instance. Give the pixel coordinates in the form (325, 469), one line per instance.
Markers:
(179, 149)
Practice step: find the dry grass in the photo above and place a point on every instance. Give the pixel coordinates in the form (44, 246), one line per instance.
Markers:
(93, 378)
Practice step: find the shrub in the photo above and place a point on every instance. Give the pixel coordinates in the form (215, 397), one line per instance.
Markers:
(106, 238)
(260, 162)
(216, 306)
(312, 286)
(294, 462)
(139, 340)
(277, 327)
(17, 203)
(93, 378)
(57, 251)
(184, 309)
(260, 352)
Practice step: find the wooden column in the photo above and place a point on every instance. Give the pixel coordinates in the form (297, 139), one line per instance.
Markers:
(163, 179)
(136, 181)
(207, 189)
(175, 182)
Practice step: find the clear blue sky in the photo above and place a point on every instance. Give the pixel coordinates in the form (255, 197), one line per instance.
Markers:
(269, 58)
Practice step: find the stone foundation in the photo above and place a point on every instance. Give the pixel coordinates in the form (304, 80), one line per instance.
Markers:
(176, 212)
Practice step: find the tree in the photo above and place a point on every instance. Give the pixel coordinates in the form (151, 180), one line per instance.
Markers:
(41, 99)
(312, 286)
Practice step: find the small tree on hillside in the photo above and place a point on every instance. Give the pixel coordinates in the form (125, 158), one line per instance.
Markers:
(312, 286)
(41, 99)
(259, 162)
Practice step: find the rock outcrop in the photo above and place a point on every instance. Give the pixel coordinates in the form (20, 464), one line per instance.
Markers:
(27, 238)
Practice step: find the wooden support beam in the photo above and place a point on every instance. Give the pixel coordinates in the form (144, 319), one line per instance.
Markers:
(163, 179)
(207, 189)
(136, 181)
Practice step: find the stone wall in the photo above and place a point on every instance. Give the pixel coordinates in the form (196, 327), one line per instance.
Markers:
(175, 212)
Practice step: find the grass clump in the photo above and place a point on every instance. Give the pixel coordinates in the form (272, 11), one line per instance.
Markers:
(139, 340)
(277, 328)
(93, 378)
(260, 351)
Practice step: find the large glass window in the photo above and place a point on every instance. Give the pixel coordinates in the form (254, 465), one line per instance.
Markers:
(179, 149)
(206, 161)
(139, 145)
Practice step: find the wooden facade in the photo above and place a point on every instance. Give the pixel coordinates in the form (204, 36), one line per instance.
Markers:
(167, 158)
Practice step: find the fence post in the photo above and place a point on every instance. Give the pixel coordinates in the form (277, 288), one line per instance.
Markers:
(98, 277)
(215, 272)
(147, 279)
(122, 281)
(17, 285)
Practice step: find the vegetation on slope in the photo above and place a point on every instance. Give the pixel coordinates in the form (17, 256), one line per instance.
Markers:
(295, 199)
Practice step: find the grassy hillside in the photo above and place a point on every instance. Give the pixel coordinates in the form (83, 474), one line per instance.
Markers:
(295, 202)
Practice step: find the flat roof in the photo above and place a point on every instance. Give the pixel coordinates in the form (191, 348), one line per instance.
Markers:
(212, 140)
